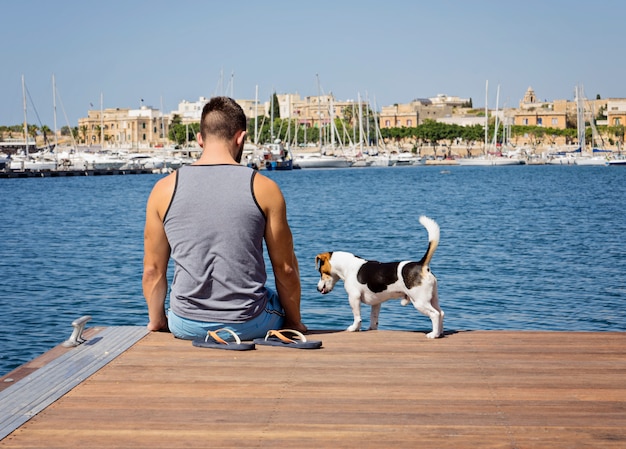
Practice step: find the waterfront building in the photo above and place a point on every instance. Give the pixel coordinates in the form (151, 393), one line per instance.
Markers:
(124, 128)
(190, 111)
(616, 121)
(616, 112)
(442, 107)
(532, 112)
(315, 111)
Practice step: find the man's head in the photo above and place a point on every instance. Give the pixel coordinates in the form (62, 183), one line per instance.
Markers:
(223, 119)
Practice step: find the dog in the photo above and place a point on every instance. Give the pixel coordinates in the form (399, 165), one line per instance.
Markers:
(372, 283)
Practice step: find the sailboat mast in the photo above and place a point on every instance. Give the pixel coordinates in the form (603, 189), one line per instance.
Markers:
(101, 121)
(497, 121)
(486, 115)
(367, 119)
(319, 111)
(25, 120)
(331, 115)
(580, 117)
(360, 112)
(256, 115)
(162, 125)
(272, 118)
(54, 105)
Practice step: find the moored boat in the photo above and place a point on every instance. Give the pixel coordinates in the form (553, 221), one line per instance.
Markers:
(490, 161)
(277, 157)
(617, 161)
(592, 160)
(318, 160)
(143, 161)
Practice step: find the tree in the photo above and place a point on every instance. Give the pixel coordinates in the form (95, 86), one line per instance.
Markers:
(276, 106)
(33, 131)
(45, 130)
(83, 132)
(180, 133)
(618, 132)
(176, 120)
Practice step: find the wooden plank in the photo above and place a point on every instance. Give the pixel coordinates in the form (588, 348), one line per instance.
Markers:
(370, 389)
(32, 394)
(38, 362)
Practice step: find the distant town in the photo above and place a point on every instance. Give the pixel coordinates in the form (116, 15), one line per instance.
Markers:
(313, 120)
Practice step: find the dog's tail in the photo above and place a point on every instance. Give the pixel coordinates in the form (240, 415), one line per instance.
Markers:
(433, 238)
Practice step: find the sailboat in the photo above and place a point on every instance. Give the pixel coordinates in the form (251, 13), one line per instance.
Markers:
(275, 155)
(487, 159)
(320, 159)
(26, 161)
(586, 157)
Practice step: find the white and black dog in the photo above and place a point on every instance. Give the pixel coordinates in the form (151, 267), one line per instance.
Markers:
(373, 283)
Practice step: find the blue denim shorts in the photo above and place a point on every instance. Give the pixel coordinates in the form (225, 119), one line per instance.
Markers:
(272, 317)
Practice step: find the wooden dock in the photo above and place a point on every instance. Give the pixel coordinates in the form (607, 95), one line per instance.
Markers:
(377, 389)
(71, 172)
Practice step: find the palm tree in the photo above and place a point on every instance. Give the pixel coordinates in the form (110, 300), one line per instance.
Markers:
(83, 132)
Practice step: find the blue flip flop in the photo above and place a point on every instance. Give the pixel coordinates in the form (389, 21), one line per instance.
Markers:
(278, 338)
(214, 341)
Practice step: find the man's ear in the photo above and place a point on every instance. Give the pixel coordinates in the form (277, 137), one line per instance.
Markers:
(199, 139)
(241, 138)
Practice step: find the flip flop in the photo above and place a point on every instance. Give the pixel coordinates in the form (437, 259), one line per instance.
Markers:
(278, 338)
(214, 341)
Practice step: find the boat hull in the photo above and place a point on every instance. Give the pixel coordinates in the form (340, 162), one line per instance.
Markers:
(323, 162)
(490, 161)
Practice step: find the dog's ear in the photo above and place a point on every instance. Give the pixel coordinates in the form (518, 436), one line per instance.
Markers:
(320, 259)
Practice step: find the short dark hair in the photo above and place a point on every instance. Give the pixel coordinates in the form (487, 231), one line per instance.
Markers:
(222, 117)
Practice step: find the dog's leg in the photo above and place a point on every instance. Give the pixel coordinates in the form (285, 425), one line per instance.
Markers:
(426, 300)
(430, 308)
(434, 301)
(355, 304)
(436, 317)
(374, 317)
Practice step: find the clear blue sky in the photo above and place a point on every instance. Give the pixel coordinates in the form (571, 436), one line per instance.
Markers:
(390, 51)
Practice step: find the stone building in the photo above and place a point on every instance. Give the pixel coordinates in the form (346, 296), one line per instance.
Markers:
(124, 128)
(412, 114)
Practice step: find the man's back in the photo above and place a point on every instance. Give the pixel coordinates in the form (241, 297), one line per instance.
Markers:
(215, 229)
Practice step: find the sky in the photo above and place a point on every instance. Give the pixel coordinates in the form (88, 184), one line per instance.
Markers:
(393, 51)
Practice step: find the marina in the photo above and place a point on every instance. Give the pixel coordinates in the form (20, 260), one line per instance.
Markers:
(123, 388)
(66, 173)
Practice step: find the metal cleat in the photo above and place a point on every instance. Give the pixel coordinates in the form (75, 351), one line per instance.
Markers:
(77, 335)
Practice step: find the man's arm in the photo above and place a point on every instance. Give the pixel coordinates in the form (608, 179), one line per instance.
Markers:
(279, 243)
(156, 254)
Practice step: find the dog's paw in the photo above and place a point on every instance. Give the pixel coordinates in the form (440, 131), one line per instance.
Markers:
(354, 328)
(432, 335)
(405, 301)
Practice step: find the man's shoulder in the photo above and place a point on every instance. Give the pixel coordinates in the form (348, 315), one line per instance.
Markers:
(267, 193)
(164, 188)
(264, 182)
(167, 182)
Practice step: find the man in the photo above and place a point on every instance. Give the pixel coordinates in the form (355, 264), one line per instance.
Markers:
(212, 217)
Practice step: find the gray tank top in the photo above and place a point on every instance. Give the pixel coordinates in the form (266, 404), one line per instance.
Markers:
(215, 229)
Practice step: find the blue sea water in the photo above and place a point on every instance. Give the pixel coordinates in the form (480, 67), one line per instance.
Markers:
(523, 248)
